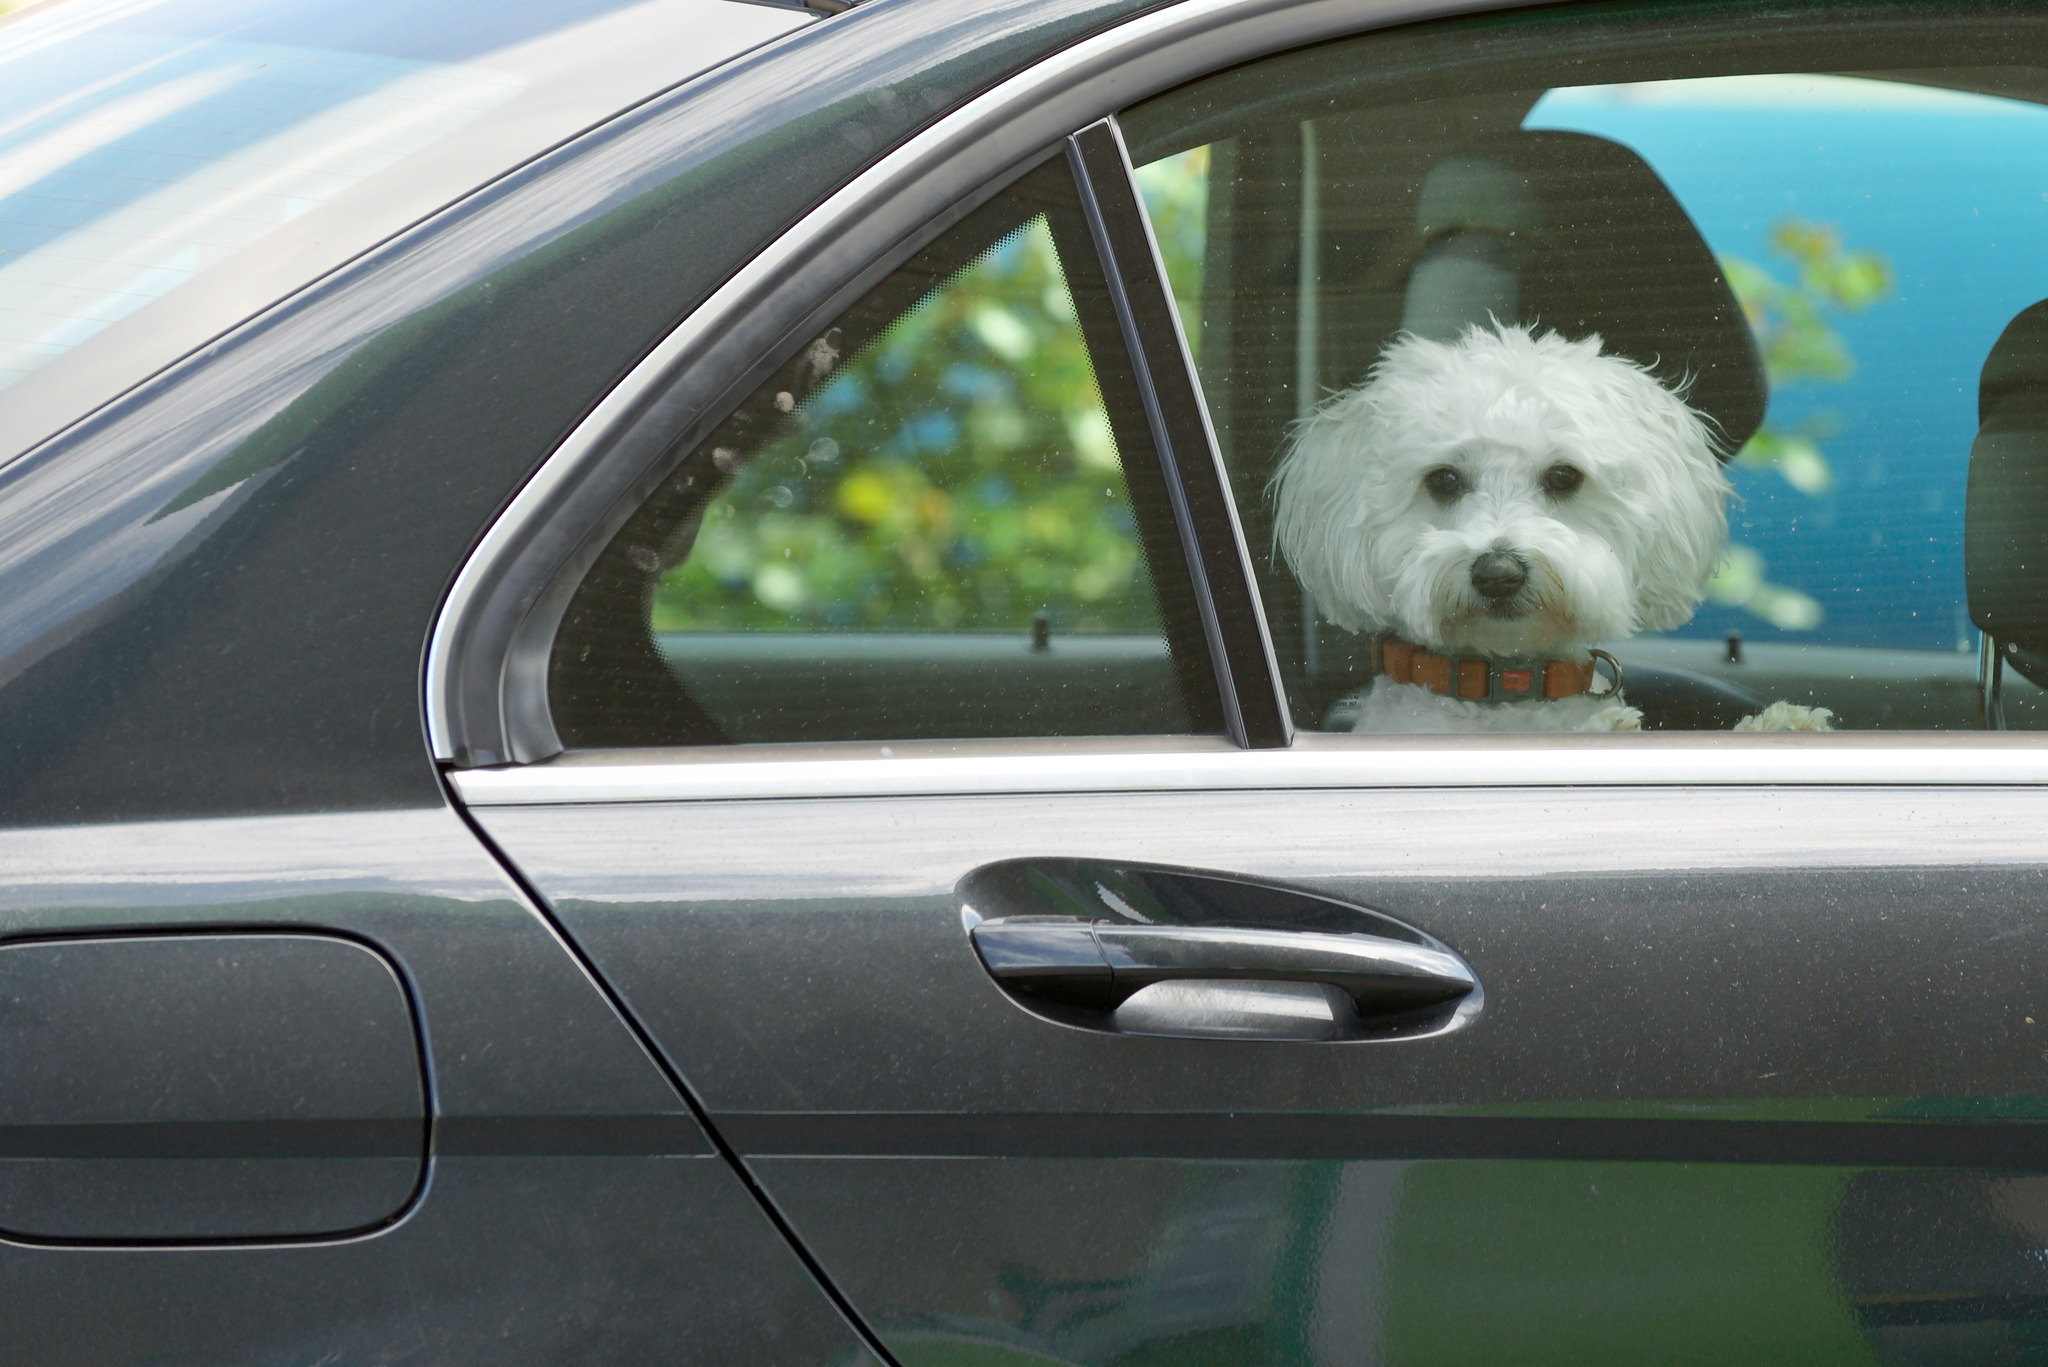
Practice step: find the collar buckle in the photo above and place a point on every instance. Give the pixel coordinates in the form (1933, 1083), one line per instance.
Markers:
(1514, 680)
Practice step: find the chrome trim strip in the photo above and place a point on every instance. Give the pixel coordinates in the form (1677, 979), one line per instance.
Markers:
(725, 775)
(1098, 57)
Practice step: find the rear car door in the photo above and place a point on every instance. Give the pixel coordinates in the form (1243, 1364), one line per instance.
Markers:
(906, 718)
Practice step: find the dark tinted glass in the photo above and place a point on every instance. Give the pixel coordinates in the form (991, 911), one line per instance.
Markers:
(937, 521)
(1812, 231)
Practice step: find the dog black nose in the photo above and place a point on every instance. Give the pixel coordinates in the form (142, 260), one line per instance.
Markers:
(1498, 575)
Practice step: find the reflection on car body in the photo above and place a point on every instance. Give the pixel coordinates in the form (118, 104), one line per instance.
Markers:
(650, 711)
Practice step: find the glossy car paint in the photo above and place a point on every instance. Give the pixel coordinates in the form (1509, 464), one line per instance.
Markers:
(572, 1206)
(1712, 1016)
(550, 73)
(1719, 1028)
(175, 1088)
(1708, 991)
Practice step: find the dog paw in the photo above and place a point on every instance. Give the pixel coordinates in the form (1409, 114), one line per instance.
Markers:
(1789, 716)
(1615, 718)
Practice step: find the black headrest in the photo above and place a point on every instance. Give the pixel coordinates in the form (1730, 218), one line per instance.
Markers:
(1597, 243)
(2005, 515)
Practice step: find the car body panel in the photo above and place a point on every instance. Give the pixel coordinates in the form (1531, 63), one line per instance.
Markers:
(1789, 1032)
(1757, 1074)
(1725, 1028)
(570, 1192)
(192, 1087)
(218, 591)
(467, 101)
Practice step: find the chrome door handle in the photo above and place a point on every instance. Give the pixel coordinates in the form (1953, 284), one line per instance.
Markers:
(1141, 949)
(1099, 965)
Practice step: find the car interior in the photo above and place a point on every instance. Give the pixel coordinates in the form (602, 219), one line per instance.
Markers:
(1562, 229)
(2006, 519)
(1332, 231)
(764, 595)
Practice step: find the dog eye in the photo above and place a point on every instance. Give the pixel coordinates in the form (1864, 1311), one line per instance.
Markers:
(1563, 479)
(1444, 483)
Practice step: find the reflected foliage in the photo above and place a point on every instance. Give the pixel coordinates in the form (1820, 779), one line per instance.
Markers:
(1791, 320)
(1176, 191)
(1793, 324)
(959, 473)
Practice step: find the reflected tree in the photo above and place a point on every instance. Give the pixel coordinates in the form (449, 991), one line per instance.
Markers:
(957, 474)
(1793, 323)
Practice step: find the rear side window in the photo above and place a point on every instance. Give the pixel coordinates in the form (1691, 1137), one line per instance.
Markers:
(1824, 234)
(943, 519)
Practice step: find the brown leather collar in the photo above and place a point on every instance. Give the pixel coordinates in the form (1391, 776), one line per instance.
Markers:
(1481, 679)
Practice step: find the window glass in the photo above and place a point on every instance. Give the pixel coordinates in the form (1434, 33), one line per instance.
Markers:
(927, 525)
(1858, 204)
(959, 473)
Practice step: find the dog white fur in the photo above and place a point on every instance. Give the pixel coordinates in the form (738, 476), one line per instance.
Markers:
(1545, 458)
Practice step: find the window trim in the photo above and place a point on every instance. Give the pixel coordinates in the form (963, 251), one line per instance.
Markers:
(486, 662)
(1226, 590)
(1210, 764)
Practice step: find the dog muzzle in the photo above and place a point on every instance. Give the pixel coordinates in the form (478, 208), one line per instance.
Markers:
(1479, 678)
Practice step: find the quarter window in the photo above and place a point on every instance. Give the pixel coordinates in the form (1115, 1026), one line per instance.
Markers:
(943, 518)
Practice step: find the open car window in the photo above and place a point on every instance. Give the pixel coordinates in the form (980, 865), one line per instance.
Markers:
(1824, 239)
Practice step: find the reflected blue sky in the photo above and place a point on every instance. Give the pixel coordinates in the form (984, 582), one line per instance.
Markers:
(446, 31)
(1953, 189)
(141, 144)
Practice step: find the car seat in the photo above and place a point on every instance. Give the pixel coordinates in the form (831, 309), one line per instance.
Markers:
(1576, 233)
(2005, 514)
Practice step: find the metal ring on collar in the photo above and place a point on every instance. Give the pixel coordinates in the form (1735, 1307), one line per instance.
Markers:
(1613, 666)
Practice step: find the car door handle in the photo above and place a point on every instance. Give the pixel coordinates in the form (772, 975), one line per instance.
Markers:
(1120, 971)
(1100, 965)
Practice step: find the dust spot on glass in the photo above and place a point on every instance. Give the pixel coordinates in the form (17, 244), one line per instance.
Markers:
(822, 355)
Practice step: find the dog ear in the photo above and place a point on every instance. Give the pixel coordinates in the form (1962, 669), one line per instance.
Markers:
(1686, 474)
(1320, 501)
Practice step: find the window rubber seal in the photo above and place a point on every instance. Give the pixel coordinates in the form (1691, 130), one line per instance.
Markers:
(1247, 677)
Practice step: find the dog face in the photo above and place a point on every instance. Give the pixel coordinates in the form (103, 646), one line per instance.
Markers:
(1504, 494)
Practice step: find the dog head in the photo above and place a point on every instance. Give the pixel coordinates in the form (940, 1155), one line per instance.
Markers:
(1503, 494)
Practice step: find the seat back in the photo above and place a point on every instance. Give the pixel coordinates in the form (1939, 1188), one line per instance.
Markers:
(2005, 514)
(1576, 233)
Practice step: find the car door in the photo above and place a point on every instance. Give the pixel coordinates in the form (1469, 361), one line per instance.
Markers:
(1072, 994)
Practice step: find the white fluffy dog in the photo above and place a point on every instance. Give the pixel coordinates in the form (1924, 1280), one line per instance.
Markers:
(1490, 509)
